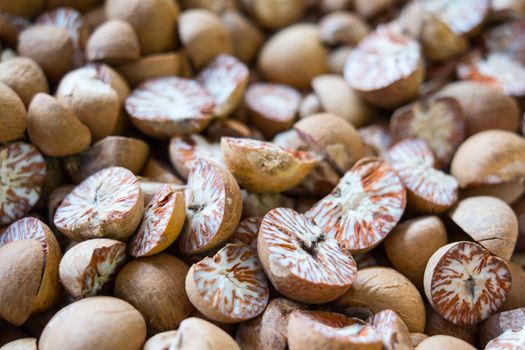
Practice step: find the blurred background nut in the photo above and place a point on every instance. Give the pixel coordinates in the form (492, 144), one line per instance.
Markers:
(114, 42)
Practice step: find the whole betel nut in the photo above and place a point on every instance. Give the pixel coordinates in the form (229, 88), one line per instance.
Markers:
(24, 76)
(13, 115)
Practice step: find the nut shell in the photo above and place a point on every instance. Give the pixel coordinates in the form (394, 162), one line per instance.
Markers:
(13, 115)
(24, 76)
(113, 42)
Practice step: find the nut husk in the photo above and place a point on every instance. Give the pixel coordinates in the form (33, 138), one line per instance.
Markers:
(114, 42)
(25, 77)
(13, 115)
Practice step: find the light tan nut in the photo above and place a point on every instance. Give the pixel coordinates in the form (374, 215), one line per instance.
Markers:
(185, 150)
(311, 330)
(464, 283)
(417, 338)
(213, 207)
(108, 204)
(274, 14)
(229, 287)
(89, 265)
(294, 56)
(230, 128)
(155, 286)
(23, 173)
(337, 59)
(381, 288)
(126, 152)
(246, 37)
(392, 330)
(261, 166)
(342, 28)
(114, 42)
(13, 115)
(488, 221)
(104, 323)
(25, 77)
(437, 342)
(363, 208)
(163, 220)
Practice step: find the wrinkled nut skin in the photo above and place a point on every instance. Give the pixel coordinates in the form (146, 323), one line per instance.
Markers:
(13, 115)
(438, 342)
(21, 344)
(87, 266)
(418, 239)
(489, 221)
(114, 42)
(475, 164)
(54, 129)
(246, 37)
(21, 272)
(437, 325)
(268, 331)
(294, 56)
(103, 323)
(25, 77)
(155, 286)
(380, 288)
(499, 323)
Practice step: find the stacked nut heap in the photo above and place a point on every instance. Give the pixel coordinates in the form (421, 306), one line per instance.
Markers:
(262, 174)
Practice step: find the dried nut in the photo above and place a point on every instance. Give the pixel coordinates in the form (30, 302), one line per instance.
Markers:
(49, 46)
(376, 138)
(483, 106)
(301, 262)
(418, 238)
(337, 59)
(103, 323)
(475, 164)
(274, 14)
(54, 129)
(185, 150)
(113, 42)
(385, 69)
(336, 140)
(371, 187)
(269, 330)
(258, 204)
(488, 221)
(417, 338)
(126, 152)
(338, 98)
(372, 8)
(516, 298)
(381, 288)
(163, 220)
(499, 322)
(261, 166)
(204, 36)
(155, 22)
(158, 171)
(155, 286)
(32, 228)
(170, 106)
(229, 128)
(13, 115)
(21, 344)
(271, 108)
(464, 283)
(437, 325)
(342, 28)
(247, 232)
(392, 329)
(225, 79)
(510, 339)
(21, 272)
(438, 342)
(439, 122)
(310, 330)
(509, 192)
(230, 287)
(294, 56)
(25, 77)
(23, 173)
(246, 37)
(151, 67)
(193, 333)
(24, 8)
(108, 204)
(213, 207)
(429, 190)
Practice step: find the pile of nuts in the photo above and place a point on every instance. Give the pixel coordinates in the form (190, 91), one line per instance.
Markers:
(262, 174)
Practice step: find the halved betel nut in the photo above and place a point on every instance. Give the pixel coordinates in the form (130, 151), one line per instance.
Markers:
(184, 150)
(247, 232)
(108, 204)
(392, 329)
(230, 286)
(376, 139)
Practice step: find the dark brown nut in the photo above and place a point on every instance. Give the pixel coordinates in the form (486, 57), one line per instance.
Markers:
(81, 5)
(13, 115)
(155, 286)
(24, 8)
(54, 129)
(437, 325)
(342, 28)
(294, 56)
(10, 28)
(49, 46)
(25, 77)
(488, 221)
(499, 322)
(126, 152)
(204, 36)
(155, 22)
(103, 323)
(151, 67)
(519, 210)
(185, 150)
(230, 128)
(114, 42)
(381, 288)
(516, 298)
(437, 342)
(246, 37)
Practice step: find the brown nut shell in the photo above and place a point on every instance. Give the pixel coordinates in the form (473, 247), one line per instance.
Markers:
(13, 115)
(24, 76)
(246, 37)
(114, 42)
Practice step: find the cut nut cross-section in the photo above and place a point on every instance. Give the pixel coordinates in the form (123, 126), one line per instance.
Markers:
(363, 208)
(261, 166)
(162, 223)
(247, 232)
(230, 287)
(22, 175)
(300, 260)
(108, 204)
(170, 106)
(184, 150)
(511, 339)
(213, 207)
(429, 190)
(464, 283)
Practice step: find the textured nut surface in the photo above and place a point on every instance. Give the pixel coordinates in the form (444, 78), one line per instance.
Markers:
(13, 115)
(113, 42)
